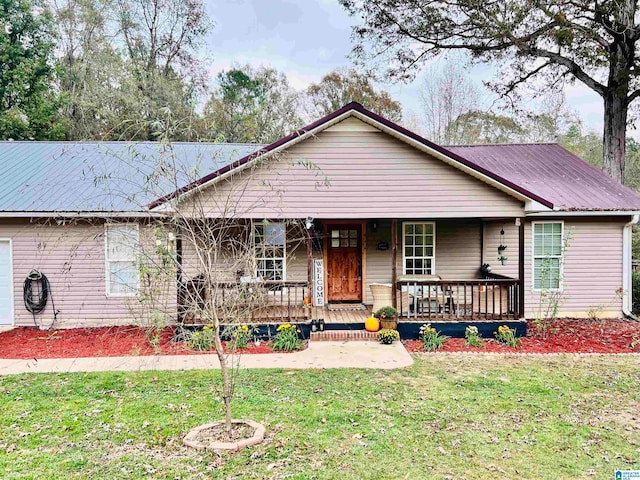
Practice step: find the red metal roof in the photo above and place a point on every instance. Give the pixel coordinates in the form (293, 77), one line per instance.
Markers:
(552, 172)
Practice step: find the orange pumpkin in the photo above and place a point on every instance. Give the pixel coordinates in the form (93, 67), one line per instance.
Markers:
(372, 324)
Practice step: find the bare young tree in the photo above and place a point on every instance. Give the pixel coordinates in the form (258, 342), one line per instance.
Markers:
(446, 96)
(210, 258)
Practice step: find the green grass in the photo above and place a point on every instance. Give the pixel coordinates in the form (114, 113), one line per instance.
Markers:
(458, 417)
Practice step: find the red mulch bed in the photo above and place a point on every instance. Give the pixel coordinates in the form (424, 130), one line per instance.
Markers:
(565, 336)
(29, 343)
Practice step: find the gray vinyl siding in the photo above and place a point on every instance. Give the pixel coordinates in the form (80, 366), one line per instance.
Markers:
(354, 174)
(457, 255)
(492, 241)
(592, 268)
(72, 258)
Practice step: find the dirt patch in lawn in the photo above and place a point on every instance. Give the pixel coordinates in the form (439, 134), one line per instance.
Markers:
(612, 335)
(26, 343)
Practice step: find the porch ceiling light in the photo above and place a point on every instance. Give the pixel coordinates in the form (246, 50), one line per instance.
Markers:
(308, 223)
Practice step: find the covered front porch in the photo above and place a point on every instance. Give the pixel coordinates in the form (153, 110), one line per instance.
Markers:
(442, 270)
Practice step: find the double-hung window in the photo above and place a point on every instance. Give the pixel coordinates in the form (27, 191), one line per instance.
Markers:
(121, 245)
(270, 250)
(548, 247)
(419, 248)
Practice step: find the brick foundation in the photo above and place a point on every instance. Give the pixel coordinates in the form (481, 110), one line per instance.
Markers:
(344, 335)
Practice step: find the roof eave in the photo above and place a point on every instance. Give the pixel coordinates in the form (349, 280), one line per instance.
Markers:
(583, 213)
(79, 214)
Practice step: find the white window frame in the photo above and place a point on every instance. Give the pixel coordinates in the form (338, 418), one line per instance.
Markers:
(404, 253)
(533, 257)
(107, 269)
(284, 250)
(11, 287)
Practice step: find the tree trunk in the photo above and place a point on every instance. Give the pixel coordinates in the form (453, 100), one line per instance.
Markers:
(616, 95)
(227, 389)
(615, 131)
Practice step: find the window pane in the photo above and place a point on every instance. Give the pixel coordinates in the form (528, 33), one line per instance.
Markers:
(122, 242)
(274, 234)
(335, 233)
(353, 234)
(335, 242)
(353, 243)
(419, 247)
(546, 273)
(123, 278)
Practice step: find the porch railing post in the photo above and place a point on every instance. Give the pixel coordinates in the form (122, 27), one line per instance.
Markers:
(521, 269)
(309, 266)
(394, 257)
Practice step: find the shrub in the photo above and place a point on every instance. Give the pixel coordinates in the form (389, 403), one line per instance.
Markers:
(201, 340)
(507, 336)
(386, 313)
(431, 338)
(286, 339)
(241, 335)
(473, 337)
(387, 336)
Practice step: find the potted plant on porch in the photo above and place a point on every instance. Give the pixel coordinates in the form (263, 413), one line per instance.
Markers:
(388, 317)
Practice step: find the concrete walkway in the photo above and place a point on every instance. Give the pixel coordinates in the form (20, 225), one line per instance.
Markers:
(317, 355)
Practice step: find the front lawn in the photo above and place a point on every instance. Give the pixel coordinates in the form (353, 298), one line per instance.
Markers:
(451, 416)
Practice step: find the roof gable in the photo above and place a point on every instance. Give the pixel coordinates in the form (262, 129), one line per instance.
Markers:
(351, 171)
(356, 110)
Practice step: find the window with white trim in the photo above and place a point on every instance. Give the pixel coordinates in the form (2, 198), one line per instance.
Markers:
(419, 248)
(270, 247)
(121, 270)
(547, 251)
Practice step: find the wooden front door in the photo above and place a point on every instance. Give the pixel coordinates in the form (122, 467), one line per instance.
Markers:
(344, 262)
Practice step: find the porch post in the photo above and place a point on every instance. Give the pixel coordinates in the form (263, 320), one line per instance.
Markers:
(179, 274)
(521, 268)
(394, 256)
(309, 267)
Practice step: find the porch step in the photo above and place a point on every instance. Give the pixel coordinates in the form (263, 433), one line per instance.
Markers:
(343, 335)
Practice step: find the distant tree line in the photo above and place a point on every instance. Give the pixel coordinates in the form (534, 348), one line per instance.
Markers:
(126, 69)
(131, 70)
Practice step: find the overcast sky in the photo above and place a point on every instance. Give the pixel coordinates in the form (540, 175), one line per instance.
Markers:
(307, 39)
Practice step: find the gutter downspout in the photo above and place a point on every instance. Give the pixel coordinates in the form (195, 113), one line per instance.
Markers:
(627, 283)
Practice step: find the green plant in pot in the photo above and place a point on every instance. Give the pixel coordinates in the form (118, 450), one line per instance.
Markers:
(388, 317)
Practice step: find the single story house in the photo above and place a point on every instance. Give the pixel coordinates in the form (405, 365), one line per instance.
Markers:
(455, 233)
